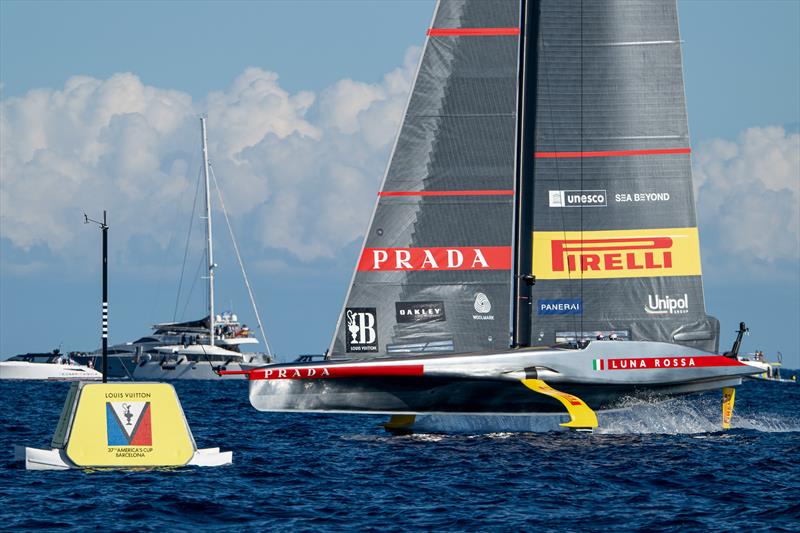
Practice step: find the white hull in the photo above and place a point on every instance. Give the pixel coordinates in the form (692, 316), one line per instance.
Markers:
(764, 367)
(601, 374)
(178, 362)
(47, 371)
(185, 370)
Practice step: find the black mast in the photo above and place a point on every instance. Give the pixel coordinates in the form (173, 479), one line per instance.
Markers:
(103, 226)
(105, 298)
(523, 207)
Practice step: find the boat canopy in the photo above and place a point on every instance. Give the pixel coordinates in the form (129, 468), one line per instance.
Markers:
(193, 326)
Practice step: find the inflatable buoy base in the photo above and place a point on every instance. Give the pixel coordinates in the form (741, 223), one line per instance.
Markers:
(121, 425)
(56, 459)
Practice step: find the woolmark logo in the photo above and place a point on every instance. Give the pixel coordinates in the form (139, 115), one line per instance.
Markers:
(456, 258)
(663, 305)
(593, 198)
(483, 306)
(362, 334)
(482, 303)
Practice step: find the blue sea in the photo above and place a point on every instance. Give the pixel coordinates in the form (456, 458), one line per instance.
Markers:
(658, 467)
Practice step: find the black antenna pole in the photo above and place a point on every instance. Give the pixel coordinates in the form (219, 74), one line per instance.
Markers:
(104, 227)
(105, 297)
(526, 139)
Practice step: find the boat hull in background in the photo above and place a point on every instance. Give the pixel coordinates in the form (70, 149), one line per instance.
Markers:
(47, 371)
(172, 367)
(185, 370)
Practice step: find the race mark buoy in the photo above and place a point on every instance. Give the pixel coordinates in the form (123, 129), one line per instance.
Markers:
(121, 425)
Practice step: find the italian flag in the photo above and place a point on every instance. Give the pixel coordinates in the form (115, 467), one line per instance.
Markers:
(597, 364)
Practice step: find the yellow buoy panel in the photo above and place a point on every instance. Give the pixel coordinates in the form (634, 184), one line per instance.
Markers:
(129, 424)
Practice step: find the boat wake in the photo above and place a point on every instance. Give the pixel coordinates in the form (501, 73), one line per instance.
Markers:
(688, 416)
(671, 417)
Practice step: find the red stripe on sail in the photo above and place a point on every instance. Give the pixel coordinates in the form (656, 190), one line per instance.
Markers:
(420, 259)
(460, 32)
(615, 153)
(487, 192)
(335, 371)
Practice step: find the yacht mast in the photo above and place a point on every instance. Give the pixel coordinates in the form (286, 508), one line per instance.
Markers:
(209, 242)
(524, 174)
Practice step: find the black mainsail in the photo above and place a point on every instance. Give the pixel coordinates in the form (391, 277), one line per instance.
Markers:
(588, 123)
(434, 274)
(615, 242)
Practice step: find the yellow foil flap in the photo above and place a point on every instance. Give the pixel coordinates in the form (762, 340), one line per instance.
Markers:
(129, 424)
(616, 254)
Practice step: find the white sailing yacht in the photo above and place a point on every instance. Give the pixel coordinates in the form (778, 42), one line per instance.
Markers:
(196, 349)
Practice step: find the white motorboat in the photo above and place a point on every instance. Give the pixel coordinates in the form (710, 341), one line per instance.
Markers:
(771, 370)
(53, 366)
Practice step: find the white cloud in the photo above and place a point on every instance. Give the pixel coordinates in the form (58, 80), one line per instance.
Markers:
(748, 196)
(299, 171)
(254, 106)
(303, 168)
(94, 144)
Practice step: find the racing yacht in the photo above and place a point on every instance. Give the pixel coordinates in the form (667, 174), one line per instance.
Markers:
(541, 185)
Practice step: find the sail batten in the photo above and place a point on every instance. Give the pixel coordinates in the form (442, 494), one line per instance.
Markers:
(461, 32)
(613, 153)
(495, 192)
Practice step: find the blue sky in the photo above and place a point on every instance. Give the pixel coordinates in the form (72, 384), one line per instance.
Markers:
(99, 100)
